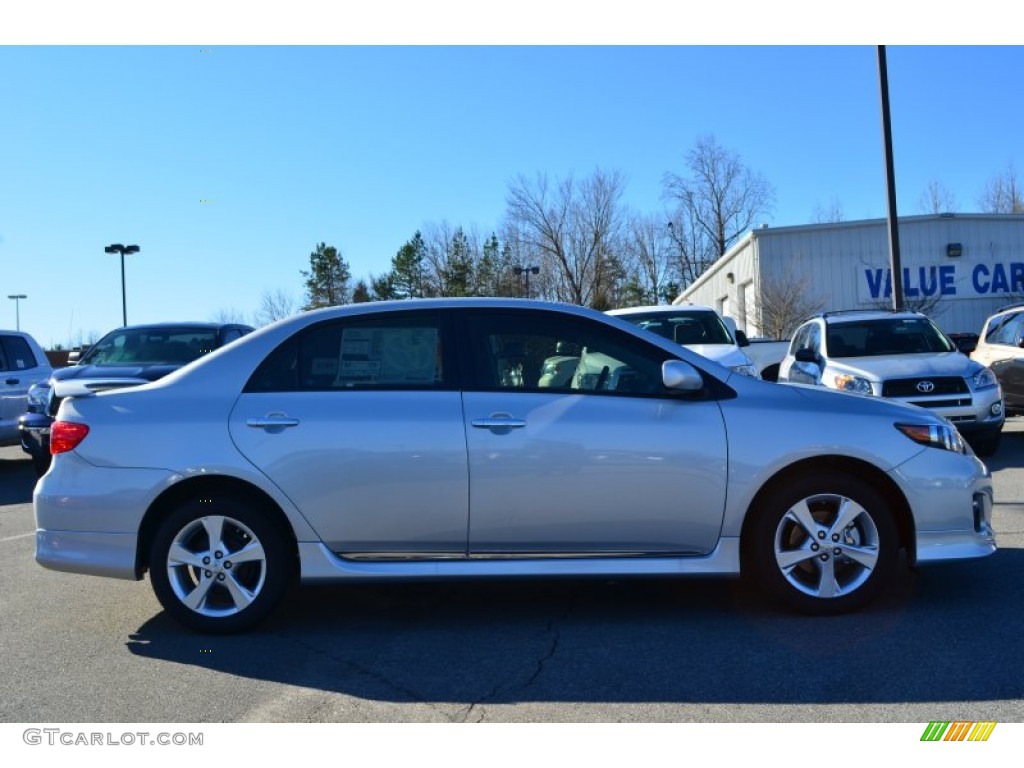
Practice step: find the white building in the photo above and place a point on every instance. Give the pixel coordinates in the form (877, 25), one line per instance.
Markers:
(972, 263)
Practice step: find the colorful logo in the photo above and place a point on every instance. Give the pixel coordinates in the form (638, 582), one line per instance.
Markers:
(938, 731)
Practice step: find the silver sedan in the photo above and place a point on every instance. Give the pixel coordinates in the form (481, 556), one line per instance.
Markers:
(493, 438)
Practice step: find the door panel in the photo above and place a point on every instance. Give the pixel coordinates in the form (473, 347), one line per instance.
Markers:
(372, 472)
(588, 474)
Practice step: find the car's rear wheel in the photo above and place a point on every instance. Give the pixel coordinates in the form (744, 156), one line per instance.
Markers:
(824, 544)
(220, 564)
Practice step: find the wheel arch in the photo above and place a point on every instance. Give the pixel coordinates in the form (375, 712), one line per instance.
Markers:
(202, 487)
(862, 470)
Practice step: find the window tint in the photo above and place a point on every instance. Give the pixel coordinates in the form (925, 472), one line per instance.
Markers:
(16, 354)
(137, 346)
(540, 352)
(1004, 329)
(686, 326)
(899, 336)
(392, 352)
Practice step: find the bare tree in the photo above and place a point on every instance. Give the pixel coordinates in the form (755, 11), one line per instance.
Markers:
(831, 214)
(721, 196)
(274, 305)
(1003, 193)
(648, 261)
(572, 228)
(936, 198)
(783, 303)
(231, 315)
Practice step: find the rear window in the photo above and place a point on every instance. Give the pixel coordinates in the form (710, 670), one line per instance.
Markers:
(896, 336)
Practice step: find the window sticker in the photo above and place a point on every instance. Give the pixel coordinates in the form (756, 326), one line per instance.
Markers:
(388, 356)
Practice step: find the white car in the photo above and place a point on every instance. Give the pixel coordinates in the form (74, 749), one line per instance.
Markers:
(903, 356)
(22, 364)
(433, 439)
(698, 328)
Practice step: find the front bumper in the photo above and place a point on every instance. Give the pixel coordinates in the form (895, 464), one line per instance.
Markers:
(951, 498)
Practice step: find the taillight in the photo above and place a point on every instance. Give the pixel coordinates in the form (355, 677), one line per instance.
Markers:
(66, 435)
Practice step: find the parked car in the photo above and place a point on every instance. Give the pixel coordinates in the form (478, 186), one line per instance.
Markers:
(124, 357)
(22, 364)
(698, 328)
(903, 356)
(765, 354)
(422, 440)
(1000, 346)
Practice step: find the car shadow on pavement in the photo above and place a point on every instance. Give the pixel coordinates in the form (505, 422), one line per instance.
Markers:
(947, 634)
(17, 479)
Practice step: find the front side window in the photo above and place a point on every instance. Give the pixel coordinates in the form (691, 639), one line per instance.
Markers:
(542, 352)
(380, 352)
(15, 354)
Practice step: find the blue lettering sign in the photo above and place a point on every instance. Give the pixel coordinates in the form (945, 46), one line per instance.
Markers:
(999, 284)
(1017, 277)
(947, 279)
(980, 271)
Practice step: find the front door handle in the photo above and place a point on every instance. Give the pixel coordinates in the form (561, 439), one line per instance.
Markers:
(502, 421)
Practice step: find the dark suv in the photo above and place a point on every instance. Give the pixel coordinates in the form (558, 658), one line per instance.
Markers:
(126, 357)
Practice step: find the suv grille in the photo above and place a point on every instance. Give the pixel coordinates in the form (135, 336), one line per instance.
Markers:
(940, 385)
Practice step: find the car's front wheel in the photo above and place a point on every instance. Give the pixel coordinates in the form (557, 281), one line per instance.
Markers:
(220, 564)
(824, 544)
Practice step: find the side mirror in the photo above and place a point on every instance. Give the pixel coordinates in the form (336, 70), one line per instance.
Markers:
(741, 338)
(680, 375)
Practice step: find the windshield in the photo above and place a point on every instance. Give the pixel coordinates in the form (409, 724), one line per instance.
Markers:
(687, 326)
(896, 336)
(151, 346)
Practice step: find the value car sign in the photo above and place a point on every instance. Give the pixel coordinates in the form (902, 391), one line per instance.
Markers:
(955, 281)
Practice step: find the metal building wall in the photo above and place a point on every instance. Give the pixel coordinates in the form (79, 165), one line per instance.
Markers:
(845, 265)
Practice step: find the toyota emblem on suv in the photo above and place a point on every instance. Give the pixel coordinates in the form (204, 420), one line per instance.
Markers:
(924, 387)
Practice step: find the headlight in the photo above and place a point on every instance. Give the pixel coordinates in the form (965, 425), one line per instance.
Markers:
(850, 383)
(944, 436)
(984, 379)
(747, 370)
(38, 395)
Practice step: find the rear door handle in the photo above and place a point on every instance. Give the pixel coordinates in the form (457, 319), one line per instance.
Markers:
(272, 422)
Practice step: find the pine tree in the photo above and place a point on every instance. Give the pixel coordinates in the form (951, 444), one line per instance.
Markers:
(327, 278)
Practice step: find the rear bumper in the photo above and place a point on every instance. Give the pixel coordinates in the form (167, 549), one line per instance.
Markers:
(34, 433)
(95, 554)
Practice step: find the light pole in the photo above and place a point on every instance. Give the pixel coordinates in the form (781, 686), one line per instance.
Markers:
(17, 308)
(531, 270)
(122, 249)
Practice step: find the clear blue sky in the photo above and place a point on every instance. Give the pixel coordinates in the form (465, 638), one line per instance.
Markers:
(227, 164)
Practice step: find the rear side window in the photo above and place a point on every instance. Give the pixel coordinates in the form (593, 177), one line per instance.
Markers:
(16, 354)
(392, 352)
(1004, 329)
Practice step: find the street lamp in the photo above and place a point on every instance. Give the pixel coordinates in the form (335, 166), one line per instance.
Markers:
(122, 249)
(17, 308)
(531, 270)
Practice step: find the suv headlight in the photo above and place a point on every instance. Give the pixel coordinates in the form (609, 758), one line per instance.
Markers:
(747, 370)
(39, 395)
(943, 436)
(984, 379)
(850, 383)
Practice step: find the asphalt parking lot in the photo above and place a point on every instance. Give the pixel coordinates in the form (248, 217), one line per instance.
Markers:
(946, 644)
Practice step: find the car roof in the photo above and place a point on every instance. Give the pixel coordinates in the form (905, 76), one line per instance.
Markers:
(667, 309)
(858, 315)
(194, 324)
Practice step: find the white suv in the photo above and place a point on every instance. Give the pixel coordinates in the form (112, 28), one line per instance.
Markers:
(903, 356)
(22, 364)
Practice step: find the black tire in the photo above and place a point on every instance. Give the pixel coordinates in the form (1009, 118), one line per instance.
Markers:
(831, 568)
(226, 588)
